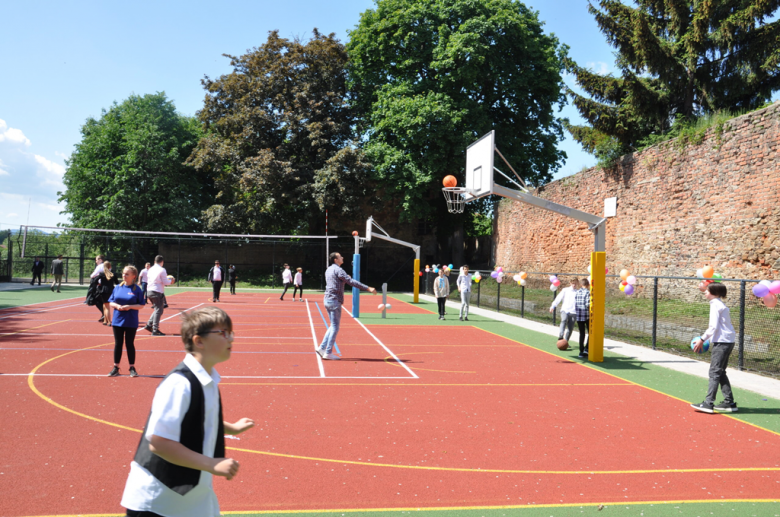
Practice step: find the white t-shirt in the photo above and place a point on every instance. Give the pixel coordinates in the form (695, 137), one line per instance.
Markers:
(286, 276)
(720, 329)
(143, 491)
(142, 275)
(298, 279)
(217, 276)
(569, 297)
(157, 279)
(97, 271)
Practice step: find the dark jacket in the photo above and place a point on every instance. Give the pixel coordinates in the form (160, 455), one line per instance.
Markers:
(57, 267)
(222, 273)
(232, 277)
(37, 267)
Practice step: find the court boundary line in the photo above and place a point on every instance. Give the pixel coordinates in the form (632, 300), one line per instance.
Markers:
(314, 340)
(38, 303)
(414, 375)
(40, 311)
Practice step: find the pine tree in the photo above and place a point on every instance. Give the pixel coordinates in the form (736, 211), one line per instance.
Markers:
(678, 59)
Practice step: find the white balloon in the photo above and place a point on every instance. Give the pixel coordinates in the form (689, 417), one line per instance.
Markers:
(553, 288)
(522, 281)
(388, 306)
(699, 273)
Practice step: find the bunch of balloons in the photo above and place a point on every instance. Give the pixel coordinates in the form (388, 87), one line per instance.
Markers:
(554, 283)
(520, 278)
(476, 277)
(627, 282)
(767, 291)
(708, 275)
(498, 274)
(427, 268)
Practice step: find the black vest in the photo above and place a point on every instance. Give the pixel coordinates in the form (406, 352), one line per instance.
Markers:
(182, 479)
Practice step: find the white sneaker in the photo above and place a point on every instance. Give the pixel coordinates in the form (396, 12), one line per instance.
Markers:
(320, 352)
(331, 357)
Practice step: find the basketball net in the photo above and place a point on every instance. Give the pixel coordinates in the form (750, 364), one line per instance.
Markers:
(456, 199)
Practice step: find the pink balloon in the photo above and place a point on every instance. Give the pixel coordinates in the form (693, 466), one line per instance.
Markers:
(500, 269)
(556, 283)
(499, 279)
(606, 270)
(770, 300)
(702, 286)
(775, 287)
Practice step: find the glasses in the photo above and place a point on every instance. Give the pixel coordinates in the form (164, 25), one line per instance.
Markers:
(227, 334)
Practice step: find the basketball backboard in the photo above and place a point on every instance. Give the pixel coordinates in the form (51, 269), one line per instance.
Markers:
(479, 167)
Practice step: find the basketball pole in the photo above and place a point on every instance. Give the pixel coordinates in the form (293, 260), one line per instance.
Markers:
(356, 276)
(417, 279)
(598, 261)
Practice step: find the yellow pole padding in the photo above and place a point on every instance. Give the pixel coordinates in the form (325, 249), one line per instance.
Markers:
(416, 280)
(598, 292)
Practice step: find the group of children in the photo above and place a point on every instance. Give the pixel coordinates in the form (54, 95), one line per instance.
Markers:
(297, 282)
(441, 290)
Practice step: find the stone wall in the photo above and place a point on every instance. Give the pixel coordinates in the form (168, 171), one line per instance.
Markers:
(679, 207)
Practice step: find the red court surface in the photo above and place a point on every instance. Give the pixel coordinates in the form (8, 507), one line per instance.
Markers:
(411, 417)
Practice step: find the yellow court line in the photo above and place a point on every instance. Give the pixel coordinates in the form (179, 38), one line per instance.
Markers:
(266, 300)
(423, 369)
(635, 383)
(528, 507)
(33, 328)
(31, 383)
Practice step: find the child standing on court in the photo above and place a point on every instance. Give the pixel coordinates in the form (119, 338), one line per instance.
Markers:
(720, 333)
(464, 286)
(183, 443)
(286, 280)
(298, 282)
(582, 308)
(441, 290)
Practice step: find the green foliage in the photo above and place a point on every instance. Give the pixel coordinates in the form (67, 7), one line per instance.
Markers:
(678, 59)
(608, 151)
(478, 225)
(431, 76)
(128, 172)
(279, 140)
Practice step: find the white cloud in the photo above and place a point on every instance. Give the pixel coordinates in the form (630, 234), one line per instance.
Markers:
(11, 215)
(3, 172)
(599, 67)
(12, 135)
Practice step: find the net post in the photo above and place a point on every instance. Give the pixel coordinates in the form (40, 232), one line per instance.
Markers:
(416, 281)
(598, 260)
(384, 300)
(655, 310)
(355, 290)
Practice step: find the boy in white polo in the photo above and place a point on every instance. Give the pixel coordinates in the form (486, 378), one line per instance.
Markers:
(183, 444)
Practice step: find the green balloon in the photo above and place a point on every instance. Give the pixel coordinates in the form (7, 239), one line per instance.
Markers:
(717, 275)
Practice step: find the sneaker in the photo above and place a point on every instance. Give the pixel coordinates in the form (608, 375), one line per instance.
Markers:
(58, 291)
(725, 407)
(465, 318)
(281, 298)
(133, 373)
(165, 306)
(114, 371)
(320, 352)
(147, 328)
(703, 407)
(461, 318)
(157, 333)
(583, 356)
(52, 288)
(101, 319)
(331, 357)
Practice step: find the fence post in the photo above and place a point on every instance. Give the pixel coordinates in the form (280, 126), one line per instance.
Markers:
(81, 262)
(655, 309)
(11, 259)
(741, 360)
(522, 301)
(46, 265)
(555, 309)
(273, 267)
(478, 288)
(178, 261)
(498, 297)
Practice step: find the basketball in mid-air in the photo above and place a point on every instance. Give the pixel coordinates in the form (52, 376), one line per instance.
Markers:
(450, 181)
(355, 233)
(563, 344)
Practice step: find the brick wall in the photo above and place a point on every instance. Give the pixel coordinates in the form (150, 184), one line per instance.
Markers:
(678, 209)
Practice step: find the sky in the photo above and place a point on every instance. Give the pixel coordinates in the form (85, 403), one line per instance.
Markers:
(63, 62)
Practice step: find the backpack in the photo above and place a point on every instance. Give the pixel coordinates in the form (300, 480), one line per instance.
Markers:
(93, 293)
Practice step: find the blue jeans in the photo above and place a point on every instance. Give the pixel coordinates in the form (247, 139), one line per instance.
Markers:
(143, 286)
(334, 313)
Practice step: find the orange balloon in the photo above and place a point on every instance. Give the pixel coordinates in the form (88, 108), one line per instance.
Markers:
(770, 300)
(624, 274)
(707, 271)
(450, 181)
(523, 275)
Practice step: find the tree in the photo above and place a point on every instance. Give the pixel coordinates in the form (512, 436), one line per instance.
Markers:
(279, 139)
(128, 171)
(678, 59)
(431, 76)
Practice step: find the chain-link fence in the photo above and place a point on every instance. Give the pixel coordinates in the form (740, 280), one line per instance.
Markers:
(259, 262)
(664, 312)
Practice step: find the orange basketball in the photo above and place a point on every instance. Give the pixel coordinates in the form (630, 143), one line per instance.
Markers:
(563, 344)
(450, 181)
(355, 233)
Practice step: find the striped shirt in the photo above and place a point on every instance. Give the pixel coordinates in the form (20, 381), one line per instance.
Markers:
(582, 304)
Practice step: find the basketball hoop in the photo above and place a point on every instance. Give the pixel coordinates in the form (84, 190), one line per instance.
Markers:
(456, 199)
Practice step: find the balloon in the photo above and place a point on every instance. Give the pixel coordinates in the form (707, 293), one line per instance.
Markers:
(388, 306)
(501, 274)
(522, 281)
(556, 283)
(760, 290)
(427, 270)
(622, 287)
(767, 283)
(450, 266)
(523, 275)
(478, 279)
(702, 286)
(499, 269)
(479, 275)
(590, 279)
(606, 270)
(553, 287)
(708, 282)
(631, 280)
(381, 306)
(699, 273)
(553, 278)
(717, 276)
(421, 273)
(589, 269)
(770, 300)
(494, 274)
(500, 279)
(629, 290)
(473, 277)
(624, 283)
(708, 271)
(516, 278)
(435, 270)
(624, 273)
(775, 287)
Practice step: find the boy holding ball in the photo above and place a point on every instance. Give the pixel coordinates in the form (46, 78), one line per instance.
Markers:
(721, 334)
(183, 443)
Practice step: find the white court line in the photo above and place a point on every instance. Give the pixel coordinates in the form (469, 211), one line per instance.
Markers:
(104, 335)
(42, 310)
(39, 303)
(222, 376)
(185, 310)
(382, 344)
(314, 339)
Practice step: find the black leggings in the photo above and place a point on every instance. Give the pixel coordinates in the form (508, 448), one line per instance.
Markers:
(216, 286)
(286, 286)
(441, 302)
(233, 287)
(126, 334)
(583, 327)
(296, 290)
(99, 304)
